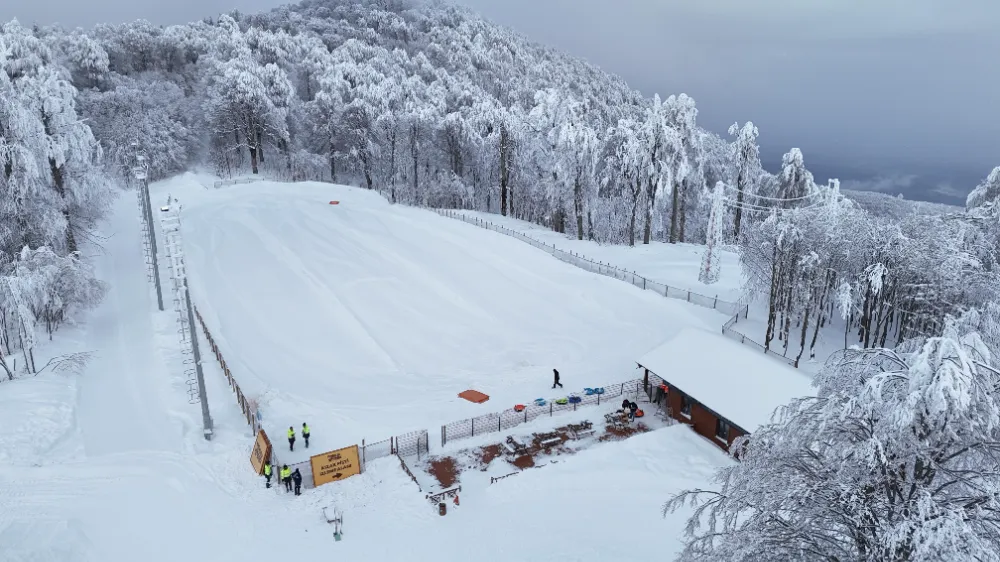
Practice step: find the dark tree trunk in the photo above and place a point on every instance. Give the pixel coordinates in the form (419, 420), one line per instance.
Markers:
(675, 207)
(578, 207)
(504, 168)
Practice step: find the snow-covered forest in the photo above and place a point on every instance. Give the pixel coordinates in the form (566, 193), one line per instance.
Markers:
(432, 106)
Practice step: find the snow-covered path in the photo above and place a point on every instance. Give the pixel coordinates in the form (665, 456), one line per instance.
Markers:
(120, 399)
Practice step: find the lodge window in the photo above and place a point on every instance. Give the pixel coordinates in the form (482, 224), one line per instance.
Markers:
(721, 429)
(686, 405)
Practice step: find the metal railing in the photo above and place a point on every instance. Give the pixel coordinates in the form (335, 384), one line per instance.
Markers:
(727, 330)
(500, 421)
(735, 308)
(570, 257)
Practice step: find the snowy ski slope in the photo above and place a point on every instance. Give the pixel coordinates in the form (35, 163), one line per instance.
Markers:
(367, 319)
(110, 465)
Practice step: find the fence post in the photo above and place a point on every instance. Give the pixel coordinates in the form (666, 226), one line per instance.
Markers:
(392, 445)
(473, 426)
(689, 296)
(550, 409)
(643, 283)
(526, 414)
(666, 290)
(444, 435)
(499, 419)
(598, 399)
(716, 301)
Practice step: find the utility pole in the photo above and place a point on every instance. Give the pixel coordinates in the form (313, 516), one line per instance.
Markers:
(140, 171)
(187, 328)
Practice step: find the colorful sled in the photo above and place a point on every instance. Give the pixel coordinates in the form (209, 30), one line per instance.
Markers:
(593, 391)
(539, 401)
(561, 401)
(519, 407)
(575, 399)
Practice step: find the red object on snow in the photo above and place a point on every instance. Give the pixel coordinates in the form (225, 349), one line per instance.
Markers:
(639, 413)
(335, 202)
(519, 407)
(474, 396)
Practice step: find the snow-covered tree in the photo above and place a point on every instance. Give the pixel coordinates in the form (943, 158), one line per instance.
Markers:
(747, 156)
(709, 272)
(895, 458)
(986, 192)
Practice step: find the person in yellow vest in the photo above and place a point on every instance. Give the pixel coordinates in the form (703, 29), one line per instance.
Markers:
(286, 477)
(305, 434)
(291, 438)
(267, 474)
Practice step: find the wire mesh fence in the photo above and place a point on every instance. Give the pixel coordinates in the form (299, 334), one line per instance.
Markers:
(221, 183)
(729, 331)
(376, 450)
(304, 468)
(500, 421)
(415, 443)
(727, 307)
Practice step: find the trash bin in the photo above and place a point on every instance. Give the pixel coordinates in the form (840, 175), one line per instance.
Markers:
(442, 508)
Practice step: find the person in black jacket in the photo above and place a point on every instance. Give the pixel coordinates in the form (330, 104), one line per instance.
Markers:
(632, 409)
(555, 379)
(297, 479)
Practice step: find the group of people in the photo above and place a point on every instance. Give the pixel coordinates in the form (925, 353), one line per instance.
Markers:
(630, 408)
(291, 436)
(288, 477)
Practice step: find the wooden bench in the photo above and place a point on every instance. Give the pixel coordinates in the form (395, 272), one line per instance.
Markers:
(550, 441)
(581, 430)
(513, 446)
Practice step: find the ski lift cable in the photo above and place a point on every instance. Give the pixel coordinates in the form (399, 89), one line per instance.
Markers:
(765, 198)
(750, 207)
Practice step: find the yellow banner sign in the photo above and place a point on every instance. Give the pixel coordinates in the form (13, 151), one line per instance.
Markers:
(261, 452)
(335, 465)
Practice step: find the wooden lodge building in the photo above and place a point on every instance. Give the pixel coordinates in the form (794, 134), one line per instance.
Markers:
(722, 389)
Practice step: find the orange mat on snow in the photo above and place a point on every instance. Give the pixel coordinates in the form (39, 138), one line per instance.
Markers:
(335, 202)
(474, 396)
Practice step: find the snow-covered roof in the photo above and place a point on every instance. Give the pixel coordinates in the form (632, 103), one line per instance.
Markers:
(737, 382)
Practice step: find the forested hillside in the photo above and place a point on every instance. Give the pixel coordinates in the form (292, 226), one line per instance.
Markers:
(433, 106)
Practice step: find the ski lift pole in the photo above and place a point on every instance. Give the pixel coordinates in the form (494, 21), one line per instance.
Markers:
(206, 417)
(140, 172)
(152, 245)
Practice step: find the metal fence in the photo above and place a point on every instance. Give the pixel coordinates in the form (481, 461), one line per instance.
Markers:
(249, 409)
(409, 444)
(499, 421)
(220, 183)
(304, 467)
(601, 268)
(735, 308)
(727, 330)
(415, 443)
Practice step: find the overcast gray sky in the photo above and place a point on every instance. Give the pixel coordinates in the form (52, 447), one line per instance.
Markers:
(899, 89)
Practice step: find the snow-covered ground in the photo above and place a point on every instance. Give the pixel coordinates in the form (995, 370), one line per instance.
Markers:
(676, 265)
(110, 465)
(367, 319)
